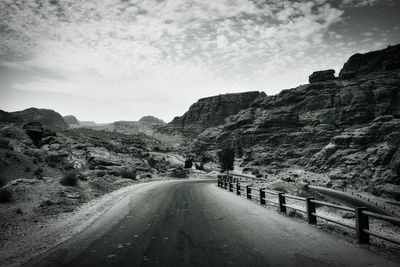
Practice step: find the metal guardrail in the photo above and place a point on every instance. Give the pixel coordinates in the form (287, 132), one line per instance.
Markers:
(247, 177)
(362, 215)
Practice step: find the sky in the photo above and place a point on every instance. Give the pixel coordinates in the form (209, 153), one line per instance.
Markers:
(110, 60)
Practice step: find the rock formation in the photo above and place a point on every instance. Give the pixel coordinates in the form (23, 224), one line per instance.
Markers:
(375, 61)
(347, 128)
(71, 120)
(212, 111)
(321, 76)
(151, 120)
(47, 117)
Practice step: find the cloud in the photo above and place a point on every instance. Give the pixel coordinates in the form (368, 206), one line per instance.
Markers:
(167, 47)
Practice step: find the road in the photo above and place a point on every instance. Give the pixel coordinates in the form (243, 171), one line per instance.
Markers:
(194, 223)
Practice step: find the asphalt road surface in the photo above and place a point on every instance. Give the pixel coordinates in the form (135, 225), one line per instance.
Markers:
(194, 223)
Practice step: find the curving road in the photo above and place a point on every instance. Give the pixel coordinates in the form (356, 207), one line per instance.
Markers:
(194, 223)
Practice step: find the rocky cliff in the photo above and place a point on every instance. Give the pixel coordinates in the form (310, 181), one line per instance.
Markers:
(347, 127)
(212, 111)
(47, 117)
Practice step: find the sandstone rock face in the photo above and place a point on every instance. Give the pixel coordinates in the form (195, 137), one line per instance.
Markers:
(71, 120)
(349, 129)
(213, 111)
(321, 76)
(375, 61)
(47, 117)
(38, 133)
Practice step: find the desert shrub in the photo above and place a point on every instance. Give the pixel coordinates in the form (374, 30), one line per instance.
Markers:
(7, 155)
(376, 191)
(38, 173)
(293, 213)
(178, 173)
(53, 160)
(5, 144)
(302, 193)
(152, 162)
(100, 173)
(226, 158)
(5, 195)
(69, 166)
(255, 171)
(279, 188)
(69, 179)
(27, 169)
(239, 151)
(199, 166)
(128, 174)
(188, 163)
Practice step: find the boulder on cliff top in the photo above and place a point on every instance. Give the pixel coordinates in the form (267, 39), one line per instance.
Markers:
(321, 76)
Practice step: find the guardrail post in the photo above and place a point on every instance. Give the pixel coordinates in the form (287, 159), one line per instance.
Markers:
(362, 223)
(282, 202)
(230, 187)
(311, 218)
(238, 189)
(262, 197)
(248, 192)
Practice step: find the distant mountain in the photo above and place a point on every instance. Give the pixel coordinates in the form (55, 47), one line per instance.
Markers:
(71, 120)
(151, 120)
(8, 117)
(47, 117)
(146, 125)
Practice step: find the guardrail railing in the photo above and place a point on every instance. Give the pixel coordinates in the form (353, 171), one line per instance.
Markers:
(362, 214)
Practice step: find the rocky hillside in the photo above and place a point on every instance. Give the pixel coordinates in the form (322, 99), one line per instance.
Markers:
(151, 120)
(36, 143)
(211, 111)
(47, 117)
(347, 127)
(71, 120)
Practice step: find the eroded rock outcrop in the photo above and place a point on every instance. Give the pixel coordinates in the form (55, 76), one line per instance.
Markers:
(47, 117)
(71, 120)
(321, 76)
(349, 129)
(375, 61)
(212, 111)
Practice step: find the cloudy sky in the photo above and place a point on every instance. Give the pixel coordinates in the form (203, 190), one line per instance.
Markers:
(108, 60)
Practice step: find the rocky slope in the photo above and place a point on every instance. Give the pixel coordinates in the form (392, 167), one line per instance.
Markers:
(347, 127)
(47, 117)
(35, 144)
(151, 120)
(211, 111)
(71, 120)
